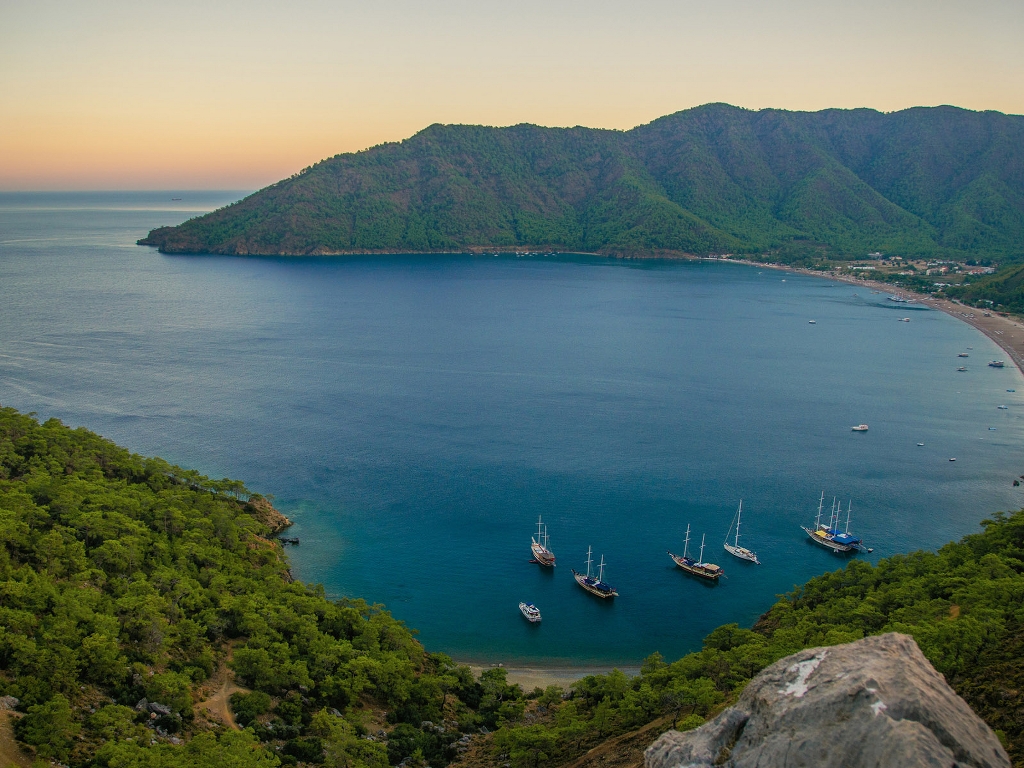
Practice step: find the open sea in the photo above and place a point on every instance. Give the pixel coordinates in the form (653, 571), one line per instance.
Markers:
(415, 414)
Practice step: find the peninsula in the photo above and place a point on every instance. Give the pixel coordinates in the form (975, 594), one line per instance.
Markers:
(936, 182)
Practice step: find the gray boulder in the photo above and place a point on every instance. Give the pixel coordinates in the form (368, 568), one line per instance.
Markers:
(875, 702)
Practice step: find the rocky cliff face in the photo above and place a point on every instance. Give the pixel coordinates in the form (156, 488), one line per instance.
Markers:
(265, 513)
(875, 702)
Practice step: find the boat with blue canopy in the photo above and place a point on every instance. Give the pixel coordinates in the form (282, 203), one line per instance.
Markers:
(594, 585)
(830, 536)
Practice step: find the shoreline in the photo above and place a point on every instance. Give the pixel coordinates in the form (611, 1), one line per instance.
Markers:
(1007, 332)
(994, 327)
(541, 677)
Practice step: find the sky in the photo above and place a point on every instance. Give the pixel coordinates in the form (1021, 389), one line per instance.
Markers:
(233, 94)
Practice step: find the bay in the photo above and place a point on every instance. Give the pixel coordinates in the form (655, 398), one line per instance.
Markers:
(414, 415)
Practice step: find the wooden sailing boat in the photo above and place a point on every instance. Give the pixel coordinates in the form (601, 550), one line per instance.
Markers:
(696, 567)
(539, 546)
(595, 586)
(829, 536)
(735, 549)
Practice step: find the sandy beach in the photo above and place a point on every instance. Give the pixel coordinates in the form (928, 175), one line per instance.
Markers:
(541, 677)
(1007, 332)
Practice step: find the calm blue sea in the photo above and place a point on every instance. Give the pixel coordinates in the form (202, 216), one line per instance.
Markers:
(414, 416)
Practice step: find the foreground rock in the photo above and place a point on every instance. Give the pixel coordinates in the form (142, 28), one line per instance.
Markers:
(875, 702)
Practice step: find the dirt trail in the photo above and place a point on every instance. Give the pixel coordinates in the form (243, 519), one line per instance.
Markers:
(11, 755)
(218, 703)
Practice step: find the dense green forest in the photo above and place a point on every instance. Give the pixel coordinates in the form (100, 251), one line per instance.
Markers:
(715, 179)
(124, 581)
(128, 586)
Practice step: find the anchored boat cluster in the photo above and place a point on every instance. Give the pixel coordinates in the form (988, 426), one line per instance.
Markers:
(827, 535)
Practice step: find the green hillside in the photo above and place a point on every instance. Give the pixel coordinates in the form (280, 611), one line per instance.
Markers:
(715, 179)
(1003, 291)
(126, 584)
(129, 587)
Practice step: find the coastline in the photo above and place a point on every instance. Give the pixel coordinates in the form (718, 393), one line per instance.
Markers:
(1006, 332)
(541, 677)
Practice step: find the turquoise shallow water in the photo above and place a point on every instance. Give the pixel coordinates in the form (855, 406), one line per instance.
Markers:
(414, 415)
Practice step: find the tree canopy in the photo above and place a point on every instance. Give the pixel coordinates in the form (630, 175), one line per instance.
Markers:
(128, 586)
(714, 179)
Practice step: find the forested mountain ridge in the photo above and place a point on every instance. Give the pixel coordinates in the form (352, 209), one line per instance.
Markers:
(937, 181)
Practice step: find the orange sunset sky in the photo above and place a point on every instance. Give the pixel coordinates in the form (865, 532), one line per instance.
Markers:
(235, 95)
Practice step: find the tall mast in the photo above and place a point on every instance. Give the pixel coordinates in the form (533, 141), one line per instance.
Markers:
(821, 503)
(739, 514)
(849, 507)
(589, 560)
(701, 558)
(686, 543)
(546, 539)
(600, 572)
(539, 539)
(833, 519)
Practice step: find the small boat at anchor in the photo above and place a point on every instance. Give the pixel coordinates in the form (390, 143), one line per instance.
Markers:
(997, 364)
(829, 536)
(539, 546)
(697, 567)
(859, 428)
(963, 354)
(961, 369)
(595, 586)
(530, 611)
(735, 549)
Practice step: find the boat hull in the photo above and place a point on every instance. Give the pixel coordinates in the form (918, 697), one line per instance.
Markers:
(542, 555)
(835, 546)
(742, 553)
(530, 612)
(593, 586)
(708, 571)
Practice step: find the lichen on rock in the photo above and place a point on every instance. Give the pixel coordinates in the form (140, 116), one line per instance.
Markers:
(875, 702)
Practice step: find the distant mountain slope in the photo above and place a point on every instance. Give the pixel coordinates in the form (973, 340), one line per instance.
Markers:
(924, 181)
